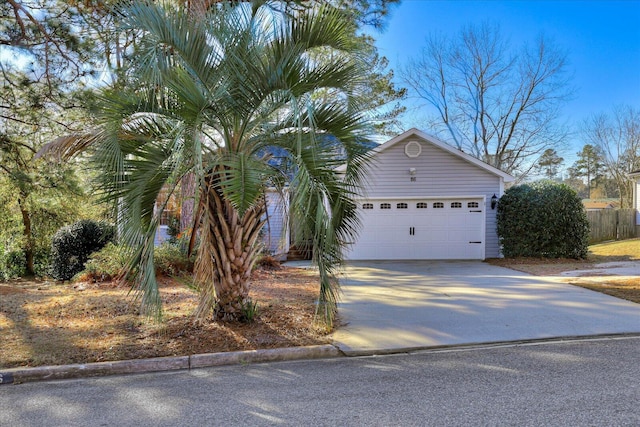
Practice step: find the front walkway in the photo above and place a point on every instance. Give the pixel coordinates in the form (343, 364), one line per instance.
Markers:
(393, 306)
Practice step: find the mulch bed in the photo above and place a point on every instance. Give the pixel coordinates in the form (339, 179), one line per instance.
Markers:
(47, 323)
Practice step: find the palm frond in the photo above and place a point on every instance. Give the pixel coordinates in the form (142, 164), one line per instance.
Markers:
(242, 179)
(212, 96)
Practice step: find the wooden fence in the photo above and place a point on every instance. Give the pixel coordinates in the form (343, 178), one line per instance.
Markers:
(611, 224)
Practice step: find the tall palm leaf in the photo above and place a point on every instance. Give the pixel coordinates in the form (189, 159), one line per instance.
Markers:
(213, 96)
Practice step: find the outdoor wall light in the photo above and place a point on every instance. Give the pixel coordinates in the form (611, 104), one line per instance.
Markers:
(494, 201)
(412, 171)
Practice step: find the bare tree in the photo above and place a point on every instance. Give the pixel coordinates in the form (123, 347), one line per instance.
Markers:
(617, 135)
(495, 102)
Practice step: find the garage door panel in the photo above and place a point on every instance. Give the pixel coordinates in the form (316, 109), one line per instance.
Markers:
(432, 235)
(459, 236)
(421, 230)
(437, 220)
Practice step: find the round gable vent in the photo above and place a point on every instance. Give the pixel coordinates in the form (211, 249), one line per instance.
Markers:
(413, 149)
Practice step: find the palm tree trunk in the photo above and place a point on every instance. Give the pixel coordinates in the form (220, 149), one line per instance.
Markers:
(226, 256)
(187, 196)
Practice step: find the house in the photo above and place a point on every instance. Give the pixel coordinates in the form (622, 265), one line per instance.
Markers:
(595, 205)
(425, 199)
(276, 231)
(635, 177)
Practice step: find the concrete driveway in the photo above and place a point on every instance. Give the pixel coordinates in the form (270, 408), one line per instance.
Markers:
(390, 306)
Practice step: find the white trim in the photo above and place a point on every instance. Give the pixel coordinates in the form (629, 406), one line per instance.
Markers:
(483, 197)
(408, 147)
(635, 179)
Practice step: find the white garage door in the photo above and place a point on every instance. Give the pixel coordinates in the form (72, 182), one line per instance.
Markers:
(420, 229)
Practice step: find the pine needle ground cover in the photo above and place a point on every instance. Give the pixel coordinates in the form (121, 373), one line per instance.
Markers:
(48, 323)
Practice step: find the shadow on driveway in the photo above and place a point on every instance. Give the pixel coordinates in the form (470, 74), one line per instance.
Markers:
(390, 306)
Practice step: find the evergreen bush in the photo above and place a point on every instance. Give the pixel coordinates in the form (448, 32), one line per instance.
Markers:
(170, 260)
(543, 219)
(104, 265)
(72, 245)
(111, 261)
(11, 264)
(42, 261)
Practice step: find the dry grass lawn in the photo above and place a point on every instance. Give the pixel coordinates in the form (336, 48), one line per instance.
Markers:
(46, 323)
(628, 289)
(624, 250)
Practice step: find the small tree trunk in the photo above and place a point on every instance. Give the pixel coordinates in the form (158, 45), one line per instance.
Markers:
(227, 253)
(28, 237)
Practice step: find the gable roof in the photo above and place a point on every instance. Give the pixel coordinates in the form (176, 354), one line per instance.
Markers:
(592, 205)
(446, 147)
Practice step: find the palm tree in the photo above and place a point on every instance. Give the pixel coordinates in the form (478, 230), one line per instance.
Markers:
(213, 97)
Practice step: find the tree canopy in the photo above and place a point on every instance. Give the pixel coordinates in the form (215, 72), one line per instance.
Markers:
(549, 163)
(213, 97)
(589, 165)
(54, 54)
(496, 102)
(617, 138)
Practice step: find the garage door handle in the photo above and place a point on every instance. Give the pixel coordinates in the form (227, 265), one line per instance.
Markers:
(476, 211)
(475, 242)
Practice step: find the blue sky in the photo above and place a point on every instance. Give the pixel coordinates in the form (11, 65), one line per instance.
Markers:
(602, 39)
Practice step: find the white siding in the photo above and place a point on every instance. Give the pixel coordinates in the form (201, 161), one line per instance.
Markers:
(437, 174)
(162, 235)
(276, 230)
(636, 200)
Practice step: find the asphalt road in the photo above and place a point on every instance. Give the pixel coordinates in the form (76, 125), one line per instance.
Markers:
(585, 383)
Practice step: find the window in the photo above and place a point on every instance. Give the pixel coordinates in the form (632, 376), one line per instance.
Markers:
(402, 206)
(367, 206)
(421, 205)
(385, 205)
(472, 204)
(456, 204)
(438, 205)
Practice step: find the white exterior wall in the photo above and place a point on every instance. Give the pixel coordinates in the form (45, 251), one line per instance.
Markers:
(636, 199)
(162, 235)
(437, 174)
(276, 230)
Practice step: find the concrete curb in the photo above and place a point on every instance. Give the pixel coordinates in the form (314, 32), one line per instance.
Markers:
(159, 364)
(137, 366)
(485, 345)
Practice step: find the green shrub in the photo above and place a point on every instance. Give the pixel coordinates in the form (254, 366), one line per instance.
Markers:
(171, 261)
(42, 262)
(173, 229)
(111, 261)
(72, 245)
(249, 311)
(106, 264)
(544, 219)
(12, 264)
